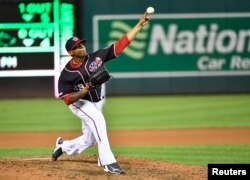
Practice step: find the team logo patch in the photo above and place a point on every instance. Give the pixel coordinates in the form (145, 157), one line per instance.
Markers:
(96, 64)
(75, 39)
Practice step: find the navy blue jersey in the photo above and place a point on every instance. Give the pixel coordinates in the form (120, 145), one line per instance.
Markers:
(74, 79)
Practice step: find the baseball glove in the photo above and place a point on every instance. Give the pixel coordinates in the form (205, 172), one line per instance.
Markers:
(99, 77)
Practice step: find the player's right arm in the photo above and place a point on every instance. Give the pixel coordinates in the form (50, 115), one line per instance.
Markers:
(75, 96)
(66, 92)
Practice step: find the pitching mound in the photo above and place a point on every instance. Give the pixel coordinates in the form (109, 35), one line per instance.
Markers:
(85, 167)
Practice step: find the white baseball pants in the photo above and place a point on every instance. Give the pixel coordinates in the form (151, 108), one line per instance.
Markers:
(94, 131)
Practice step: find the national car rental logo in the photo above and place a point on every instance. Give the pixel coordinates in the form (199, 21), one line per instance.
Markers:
(136, 50)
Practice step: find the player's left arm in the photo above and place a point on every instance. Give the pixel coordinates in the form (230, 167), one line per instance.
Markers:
(137, 28)
(122, 43)
(115, 49)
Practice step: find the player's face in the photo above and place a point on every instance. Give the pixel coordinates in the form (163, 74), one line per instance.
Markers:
(79, 51)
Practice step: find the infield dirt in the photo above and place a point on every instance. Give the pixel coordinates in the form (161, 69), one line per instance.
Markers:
(85, 166)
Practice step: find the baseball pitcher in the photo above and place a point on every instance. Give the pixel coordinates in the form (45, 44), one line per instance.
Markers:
(80, 88)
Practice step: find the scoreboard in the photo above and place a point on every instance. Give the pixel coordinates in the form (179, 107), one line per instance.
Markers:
(32, 37)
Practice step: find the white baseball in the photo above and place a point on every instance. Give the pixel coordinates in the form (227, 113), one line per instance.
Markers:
(150, 10)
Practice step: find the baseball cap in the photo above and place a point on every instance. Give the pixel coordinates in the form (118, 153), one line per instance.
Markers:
(73, 42)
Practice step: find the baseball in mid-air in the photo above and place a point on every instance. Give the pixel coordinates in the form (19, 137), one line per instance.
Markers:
(150, 10)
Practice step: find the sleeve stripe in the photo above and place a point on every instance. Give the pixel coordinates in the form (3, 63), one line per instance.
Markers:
(66, 99)
(120, 45)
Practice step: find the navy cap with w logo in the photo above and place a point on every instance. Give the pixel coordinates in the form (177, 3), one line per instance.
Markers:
(73, 42)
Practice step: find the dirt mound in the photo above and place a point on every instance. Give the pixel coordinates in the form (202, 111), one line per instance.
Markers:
(85, 167)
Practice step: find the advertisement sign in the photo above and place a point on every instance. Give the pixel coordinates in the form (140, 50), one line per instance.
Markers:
(212, 44)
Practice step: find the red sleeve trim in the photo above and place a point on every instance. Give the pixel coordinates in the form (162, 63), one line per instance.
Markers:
(66, 99)
(121, 44)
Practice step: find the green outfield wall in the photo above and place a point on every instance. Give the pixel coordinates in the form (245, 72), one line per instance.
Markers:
(188, 47)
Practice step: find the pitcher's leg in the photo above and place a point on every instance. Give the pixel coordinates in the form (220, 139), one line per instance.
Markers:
(105, 154)
(95, 120)
(79, 144)
(71, 147)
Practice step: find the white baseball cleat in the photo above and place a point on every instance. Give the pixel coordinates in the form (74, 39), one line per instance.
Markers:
(59, 142)
(58, 150)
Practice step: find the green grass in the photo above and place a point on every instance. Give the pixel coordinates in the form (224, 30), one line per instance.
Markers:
(178, 112)
(194, 155)
(18, 152)
(36, 115)
(122, 113)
